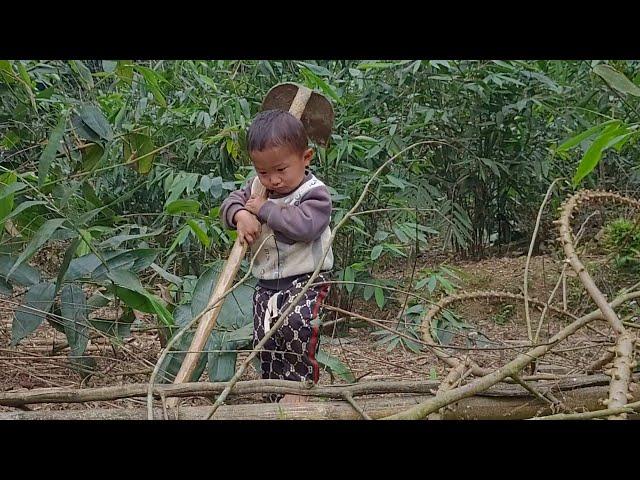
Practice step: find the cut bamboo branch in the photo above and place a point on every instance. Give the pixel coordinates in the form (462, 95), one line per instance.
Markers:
(508, 370)
(624, 345)
(454, 376)
(194, 389)
(472, 408)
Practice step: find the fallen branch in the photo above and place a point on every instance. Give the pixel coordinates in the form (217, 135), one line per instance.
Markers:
(472, 408)
(508, 370)
(624, 345)
(425, 328)
(562, 279)
(349, 398)
(97, 394)
(628, 408)
(455, 375)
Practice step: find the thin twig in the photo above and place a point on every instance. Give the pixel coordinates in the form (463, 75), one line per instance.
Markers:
(349, 398)
(545, 397)
(628, 408)
(526, 265)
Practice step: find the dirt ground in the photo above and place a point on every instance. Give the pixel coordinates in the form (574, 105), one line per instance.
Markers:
(41, 361)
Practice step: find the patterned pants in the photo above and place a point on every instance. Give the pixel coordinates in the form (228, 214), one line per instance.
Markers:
(290, 352)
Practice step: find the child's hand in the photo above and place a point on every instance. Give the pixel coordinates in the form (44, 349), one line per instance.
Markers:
(254, 204)
(248, 226)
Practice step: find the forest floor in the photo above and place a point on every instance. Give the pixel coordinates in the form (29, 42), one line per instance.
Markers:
(40, 360)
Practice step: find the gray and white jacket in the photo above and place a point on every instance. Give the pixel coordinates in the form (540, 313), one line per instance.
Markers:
(299, 222)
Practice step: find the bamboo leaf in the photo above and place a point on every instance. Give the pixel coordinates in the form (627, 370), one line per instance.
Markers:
(43, 234)
(37, 302)
(616, 80)
(51, 149)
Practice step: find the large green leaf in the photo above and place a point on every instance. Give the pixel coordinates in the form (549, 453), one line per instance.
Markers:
(49, 153)
(6, 72)
(119, 327)
(199, 232)
(335, 366)
(8, 190)
(349, 276)
(24, 275)
(37, 303)
(221, 362)
(82, 130)
(379, 294)
(184, 205)
(169, 277)
(616, 80)
(66, 261)
(115, 241)
(376, 251)
(124, 70)
(93, 118)
(594, 153)
(315, 80)
(129, 289)
(183, 181)
(27, 85)
(139, 146)
(91, 156)
(90, 267)
(73, 307)
(236, 318)
(576, 139)
(8, 181)
(83, 71)
(43, 234)
(142, 258)
(221, 365)
(237, 308)
(21, 208)
(172, 362)
(82, 267)
(152, 80)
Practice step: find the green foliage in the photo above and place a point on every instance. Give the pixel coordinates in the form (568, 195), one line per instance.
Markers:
(335, 366)
(622, 238)
(127, 162)
(233, 331)
(610, 134)
(504, 315)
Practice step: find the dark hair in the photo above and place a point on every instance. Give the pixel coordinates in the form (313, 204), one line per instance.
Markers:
(276, 128)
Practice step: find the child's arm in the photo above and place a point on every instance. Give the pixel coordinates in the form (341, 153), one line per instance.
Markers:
(233, 204)
(304, 222)
(235, 216)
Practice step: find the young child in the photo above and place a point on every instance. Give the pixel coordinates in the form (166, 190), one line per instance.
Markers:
(297, 212)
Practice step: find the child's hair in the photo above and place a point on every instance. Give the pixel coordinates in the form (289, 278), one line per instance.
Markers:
(276, 128)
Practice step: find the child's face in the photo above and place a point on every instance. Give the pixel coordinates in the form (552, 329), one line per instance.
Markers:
(280, 169)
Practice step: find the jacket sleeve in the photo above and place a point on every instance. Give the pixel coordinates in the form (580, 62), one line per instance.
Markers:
(233, 203)
(304, 222)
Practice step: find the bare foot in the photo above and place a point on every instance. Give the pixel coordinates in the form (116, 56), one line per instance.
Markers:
(294, 399)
